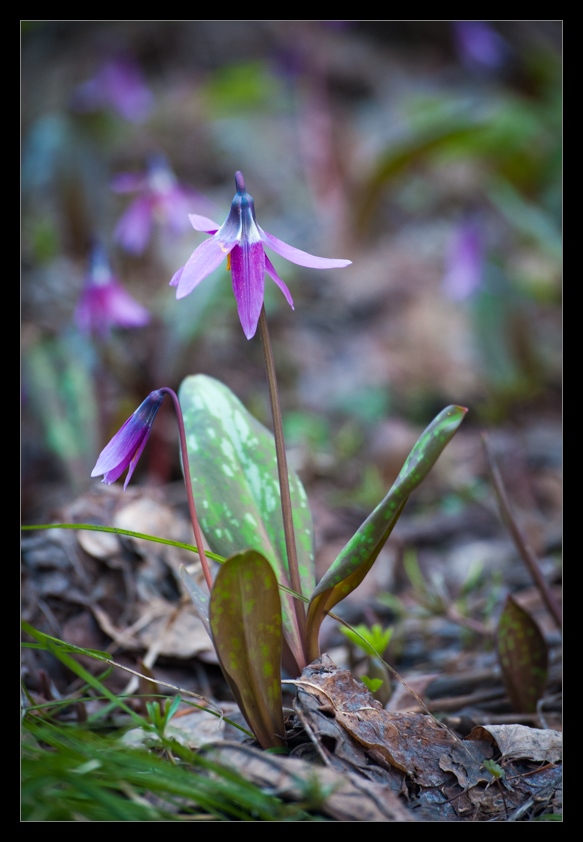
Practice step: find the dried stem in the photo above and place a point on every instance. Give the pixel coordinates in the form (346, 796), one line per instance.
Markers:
(520, 542)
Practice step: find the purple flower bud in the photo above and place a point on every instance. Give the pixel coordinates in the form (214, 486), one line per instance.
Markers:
(242, 239)
(464, 269)
(126, 447)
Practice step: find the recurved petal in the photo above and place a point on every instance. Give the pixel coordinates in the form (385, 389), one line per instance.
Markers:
(302, 258)
(270, 269)
(203, 223)
(176, 277)
(123, 309)
(135, 226)
(248, 276)
(201, 263)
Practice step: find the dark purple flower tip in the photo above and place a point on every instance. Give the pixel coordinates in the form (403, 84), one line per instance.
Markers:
(125, 448)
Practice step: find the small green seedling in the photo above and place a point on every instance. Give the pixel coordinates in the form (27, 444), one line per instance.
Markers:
(160, 713)
(373, 641)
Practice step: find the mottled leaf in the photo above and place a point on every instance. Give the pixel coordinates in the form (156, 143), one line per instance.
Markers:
(359, 554)
(523, 656)
(236, 487)
(245, 618)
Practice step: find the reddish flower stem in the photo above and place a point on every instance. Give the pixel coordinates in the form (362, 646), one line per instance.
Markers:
(282, 470)
(188, 483)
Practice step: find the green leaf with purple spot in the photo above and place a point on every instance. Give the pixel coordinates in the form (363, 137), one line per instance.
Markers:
(245, 618)
(236, 487)
(523, 656)
(359, 554)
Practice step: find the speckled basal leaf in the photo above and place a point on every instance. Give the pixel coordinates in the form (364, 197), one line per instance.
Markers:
(358, 556)
(523, 656)
(245, 618)
(236, 488)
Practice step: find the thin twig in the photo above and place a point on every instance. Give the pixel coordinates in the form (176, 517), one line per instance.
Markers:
(520, 542)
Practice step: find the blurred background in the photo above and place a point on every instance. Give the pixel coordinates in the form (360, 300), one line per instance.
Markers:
(427, 152)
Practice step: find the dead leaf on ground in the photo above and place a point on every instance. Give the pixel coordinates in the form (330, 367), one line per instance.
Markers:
(338, 795)
(519, 742)
(414, 755)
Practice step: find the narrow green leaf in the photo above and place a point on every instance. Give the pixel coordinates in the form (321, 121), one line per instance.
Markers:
(245, 618)
(236, 487)
(60, 650)
(359, 554)
(523, 656)
(91, 527)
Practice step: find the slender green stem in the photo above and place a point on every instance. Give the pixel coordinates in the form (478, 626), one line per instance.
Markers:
(282, 470)
(188, 483)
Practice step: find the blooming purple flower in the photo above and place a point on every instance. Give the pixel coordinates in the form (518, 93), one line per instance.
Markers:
(242, 240)
(161, 198)
(465, 263)
(118, 84)
(126, 447)
(104, 303)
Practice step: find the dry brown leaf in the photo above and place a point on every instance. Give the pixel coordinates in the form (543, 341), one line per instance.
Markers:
(413, 755)
(342, 797)
(520, 742)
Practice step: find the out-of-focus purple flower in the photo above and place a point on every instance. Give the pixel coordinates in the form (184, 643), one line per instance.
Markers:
(104, 303)
(118, 84)
(125, 448)
(161, 198)
(242, 240)
(465, 263)
(479, 46)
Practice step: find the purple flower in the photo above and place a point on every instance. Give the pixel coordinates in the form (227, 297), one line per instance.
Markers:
(465, 263)
(479, 46)
(161, 198)
(242, 240)
(104, 303)
(118, 84)
(125, 448)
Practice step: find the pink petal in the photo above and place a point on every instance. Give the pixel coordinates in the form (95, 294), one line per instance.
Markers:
(203, 223)
(248, 275)
(201, 263)
(134, 461)
(134, 228)
(302, 258)
(176, 277)
(123, 309)
(270, 269)
(117, 454)
(127, 182)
